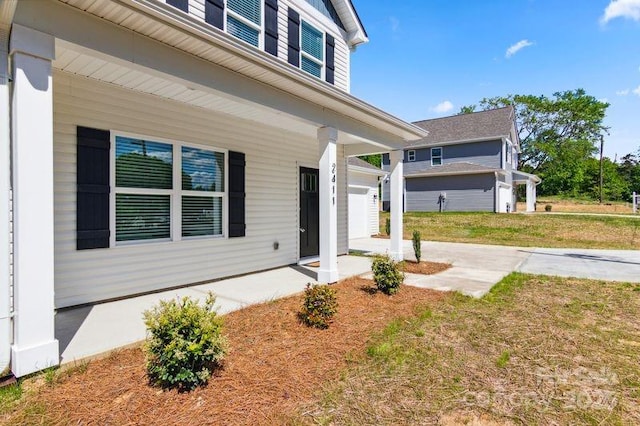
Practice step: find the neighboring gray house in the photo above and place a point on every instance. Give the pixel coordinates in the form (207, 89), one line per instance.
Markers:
(467, 162)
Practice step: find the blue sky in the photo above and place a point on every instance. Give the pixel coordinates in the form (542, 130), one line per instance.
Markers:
(426, 59)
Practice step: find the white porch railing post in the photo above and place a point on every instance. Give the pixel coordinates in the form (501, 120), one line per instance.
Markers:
(396, 201)
(34, 346)
(328, 173)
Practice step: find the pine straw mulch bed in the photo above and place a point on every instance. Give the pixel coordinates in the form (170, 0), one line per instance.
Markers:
(425, 268)
(275, 365)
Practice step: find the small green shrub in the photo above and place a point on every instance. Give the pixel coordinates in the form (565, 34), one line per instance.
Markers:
(547, 208)
(387, 226)
(386, 274)
(319, 306)
(184, 344)
(417, 249)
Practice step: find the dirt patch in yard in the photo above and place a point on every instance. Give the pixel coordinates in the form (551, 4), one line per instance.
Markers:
(275, 365)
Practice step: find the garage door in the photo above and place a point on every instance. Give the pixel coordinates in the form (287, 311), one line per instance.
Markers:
(358, 212)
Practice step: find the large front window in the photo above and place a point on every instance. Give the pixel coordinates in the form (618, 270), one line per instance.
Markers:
(167, 191)
(244, 20)
(312, 50)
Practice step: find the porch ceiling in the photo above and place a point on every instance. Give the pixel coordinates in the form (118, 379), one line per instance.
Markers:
(303, 103)
(84, 64)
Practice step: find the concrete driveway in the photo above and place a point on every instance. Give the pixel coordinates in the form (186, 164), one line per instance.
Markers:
(608, 265)
(476, 268)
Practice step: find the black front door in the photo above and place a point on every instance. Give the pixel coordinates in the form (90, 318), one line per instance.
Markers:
(309, 213)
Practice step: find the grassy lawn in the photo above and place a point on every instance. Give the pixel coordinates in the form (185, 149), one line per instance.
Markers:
(573, 205)
(521, 230)
(536, 350)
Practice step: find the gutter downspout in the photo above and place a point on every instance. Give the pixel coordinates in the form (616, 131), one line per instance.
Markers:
(7, 10)
(497, 194)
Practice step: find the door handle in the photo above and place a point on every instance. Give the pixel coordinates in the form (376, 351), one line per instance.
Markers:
(303, 230)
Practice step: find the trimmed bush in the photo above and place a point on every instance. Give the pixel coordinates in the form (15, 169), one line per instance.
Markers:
(387, 226)
(547, 208)
(184, 343)
(386, 274)
(319, 306)
(417, 249)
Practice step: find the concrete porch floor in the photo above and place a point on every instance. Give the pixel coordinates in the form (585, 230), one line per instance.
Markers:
(88, 331)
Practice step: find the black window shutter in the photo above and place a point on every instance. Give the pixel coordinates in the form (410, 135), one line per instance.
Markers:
(271, 27)
(330, 63)
(214, 13)
(183, 5)
(92, 204)
(294, 37)
(236, 194)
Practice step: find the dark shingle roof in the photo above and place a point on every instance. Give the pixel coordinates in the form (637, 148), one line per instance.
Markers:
(453, 168)
(355, 161)
(475, 126)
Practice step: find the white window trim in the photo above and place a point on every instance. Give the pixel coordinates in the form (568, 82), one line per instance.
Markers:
(175, 194)
(322, 63)
(509, 152)
(441, 157)
(411, 155)
(260, 28)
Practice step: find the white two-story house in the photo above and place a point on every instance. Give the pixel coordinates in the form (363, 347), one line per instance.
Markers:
(152, 144)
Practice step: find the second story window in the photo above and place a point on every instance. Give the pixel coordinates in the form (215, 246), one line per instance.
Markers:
(312, 50)
(244, 18)
(411, 155)
(436, 156)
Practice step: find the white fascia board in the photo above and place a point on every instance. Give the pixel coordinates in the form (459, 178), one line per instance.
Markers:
(456, 142)
(172, 17)
(367, 171)
(476, 172)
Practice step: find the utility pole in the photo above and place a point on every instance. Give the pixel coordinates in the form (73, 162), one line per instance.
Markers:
(601, 169)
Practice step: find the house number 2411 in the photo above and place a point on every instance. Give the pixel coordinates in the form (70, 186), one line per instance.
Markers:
(333, 183)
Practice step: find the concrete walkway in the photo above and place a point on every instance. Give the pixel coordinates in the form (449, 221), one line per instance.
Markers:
(475, 268)
(92, 330)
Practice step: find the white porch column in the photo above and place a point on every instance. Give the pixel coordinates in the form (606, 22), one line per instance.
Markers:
(396, 202)
(34, 345)
(328, 271)
(531, 196)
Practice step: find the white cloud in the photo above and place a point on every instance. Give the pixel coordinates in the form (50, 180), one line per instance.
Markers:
(624, 92)
(604, 100)
(395, 24)
(629, 9)
(517, 47)
(442, 107)
(636, 91)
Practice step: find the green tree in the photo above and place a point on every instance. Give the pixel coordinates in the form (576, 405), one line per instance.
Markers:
(629, 170)
(467, 109)
(558, 135)
(375, 159)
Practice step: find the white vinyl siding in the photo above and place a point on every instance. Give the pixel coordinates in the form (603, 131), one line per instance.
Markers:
(370, 182)
(272, 158)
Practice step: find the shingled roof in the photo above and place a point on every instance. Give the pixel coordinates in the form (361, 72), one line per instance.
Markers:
(482, 125)
(454, 169)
